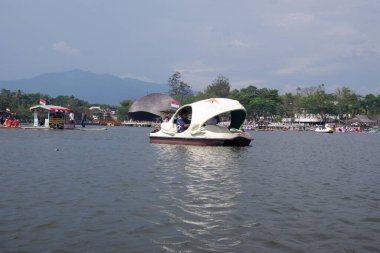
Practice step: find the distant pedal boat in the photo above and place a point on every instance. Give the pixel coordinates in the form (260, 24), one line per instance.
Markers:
(48, 117)
(326, 129)
(201, 133)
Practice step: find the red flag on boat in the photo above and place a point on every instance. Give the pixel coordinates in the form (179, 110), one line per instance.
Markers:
(42, 101)
(175, 104)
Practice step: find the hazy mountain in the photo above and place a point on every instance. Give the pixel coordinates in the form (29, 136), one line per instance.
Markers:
(95, 88)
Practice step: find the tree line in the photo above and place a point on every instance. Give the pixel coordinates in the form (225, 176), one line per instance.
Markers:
(19, 102)
(259, 102)
(343, 103)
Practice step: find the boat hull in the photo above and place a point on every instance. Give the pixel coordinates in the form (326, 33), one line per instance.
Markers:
(237, 141)
(7, 127)
(324, 131)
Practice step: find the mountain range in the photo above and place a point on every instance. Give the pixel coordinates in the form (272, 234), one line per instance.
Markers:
(92, 87)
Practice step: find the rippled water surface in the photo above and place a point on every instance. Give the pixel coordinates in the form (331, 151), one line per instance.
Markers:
(112, 191)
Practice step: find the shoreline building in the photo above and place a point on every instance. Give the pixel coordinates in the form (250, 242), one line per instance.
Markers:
(361, 121)
(99, 114)
(308, 119)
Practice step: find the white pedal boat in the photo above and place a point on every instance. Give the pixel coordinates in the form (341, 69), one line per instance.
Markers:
(326, 129)
(201, 133)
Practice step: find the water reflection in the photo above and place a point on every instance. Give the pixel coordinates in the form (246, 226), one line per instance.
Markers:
(199, 188)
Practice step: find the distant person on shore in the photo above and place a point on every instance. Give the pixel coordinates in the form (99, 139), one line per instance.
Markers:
(84, 119)
(183, 122)
(167, 118)
(72, 118)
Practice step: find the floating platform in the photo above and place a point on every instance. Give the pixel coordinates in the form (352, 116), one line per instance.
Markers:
(80, 129)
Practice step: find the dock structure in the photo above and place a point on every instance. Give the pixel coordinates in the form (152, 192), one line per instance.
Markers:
(139, 124)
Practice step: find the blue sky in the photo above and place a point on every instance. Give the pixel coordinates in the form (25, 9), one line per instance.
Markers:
(278, 44)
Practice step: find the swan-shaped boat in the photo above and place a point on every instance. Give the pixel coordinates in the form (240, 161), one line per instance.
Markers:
(202, 131)
(326, 129)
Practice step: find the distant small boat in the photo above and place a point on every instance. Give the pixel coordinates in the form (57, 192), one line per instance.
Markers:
(248, 127)
(8, 120)
(374, 130)
(340, 130)
(326, 129)
(92, 129)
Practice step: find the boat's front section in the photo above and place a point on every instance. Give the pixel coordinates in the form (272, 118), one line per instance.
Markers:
(205, 128)
(242, 139)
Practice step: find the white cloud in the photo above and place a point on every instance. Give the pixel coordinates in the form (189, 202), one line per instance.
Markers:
(292, 19)
(376, 49)
(296, 18)
(291, 88)
(306, 66)
(320, 70)
(336, 30)
(195, 67)
(295, 66)
(363, 90)
(238, 44)
(141, 78)
(64, 48)
(197, 73)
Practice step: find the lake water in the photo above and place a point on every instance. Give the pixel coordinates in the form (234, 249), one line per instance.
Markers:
(112, 191)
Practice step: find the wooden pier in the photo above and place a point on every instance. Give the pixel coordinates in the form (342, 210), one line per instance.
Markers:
(140, 124)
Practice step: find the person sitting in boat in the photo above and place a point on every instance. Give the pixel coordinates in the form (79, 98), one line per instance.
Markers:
(167, 118)
(183, 122)
(213, 121)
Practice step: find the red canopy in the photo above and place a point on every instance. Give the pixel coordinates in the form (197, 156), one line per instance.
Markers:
(54, 108)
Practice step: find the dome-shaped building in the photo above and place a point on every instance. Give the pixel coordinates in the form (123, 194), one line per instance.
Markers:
(148, 108)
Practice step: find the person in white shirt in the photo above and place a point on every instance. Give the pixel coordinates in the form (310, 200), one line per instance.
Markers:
(72, 117)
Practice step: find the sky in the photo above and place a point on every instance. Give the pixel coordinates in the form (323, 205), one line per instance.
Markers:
(280, 44)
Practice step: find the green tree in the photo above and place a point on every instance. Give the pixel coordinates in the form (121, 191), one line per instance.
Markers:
(289, 104)
(317, 101)
(199, 96)
(220, 87)
(77, 105)
(244, 96)
(122, 110)
(262, 107)
(259, 102)
(371, 104)
(5, 99)
(179, 90)
(347, 102)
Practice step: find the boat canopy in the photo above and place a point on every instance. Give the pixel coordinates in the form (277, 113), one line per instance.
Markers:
(206, 109)
(54, 108)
